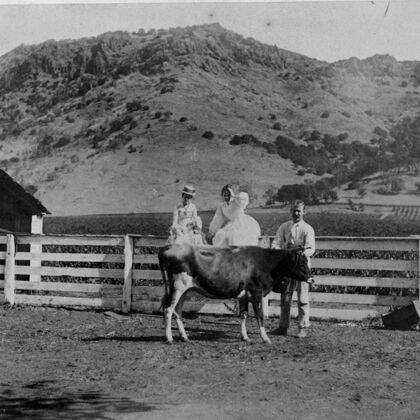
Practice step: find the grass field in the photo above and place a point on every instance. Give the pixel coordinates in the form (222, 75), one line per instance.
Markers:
(324, 223)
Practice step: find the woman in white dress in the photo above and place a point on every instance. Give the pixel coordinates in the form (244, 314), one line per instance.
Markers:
(230, 225)
(186, 224)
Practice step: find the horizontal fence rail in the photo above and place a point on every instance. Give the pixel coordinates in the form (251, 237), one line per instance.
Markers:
(355, 277)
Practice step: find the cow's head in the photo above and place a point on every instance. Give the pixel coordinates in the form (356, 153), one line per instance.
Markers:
(300, 267)
(294, 265)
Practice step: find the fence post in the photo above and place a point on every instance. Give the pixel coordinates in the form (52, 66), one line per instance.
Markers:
(9, 270)
(418, 265)
(128, 273)
(36, 248)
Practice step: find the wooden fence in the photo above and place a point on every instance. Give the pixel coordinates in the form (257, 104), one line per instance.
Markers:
(355, 277)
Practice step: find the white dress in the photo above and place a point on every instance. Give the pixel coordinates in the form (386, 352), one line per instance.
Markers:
(186, 225)
(232, 227)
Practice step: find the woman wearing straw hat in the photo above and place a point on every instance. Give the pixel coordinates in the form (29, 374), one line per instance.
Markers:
(230, 225)
(186, 224)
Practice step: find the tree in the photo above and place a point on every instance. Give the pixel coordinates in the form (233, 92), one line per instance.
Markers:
(397, 185)
(270, 195)
(416, 74)
(361, 190)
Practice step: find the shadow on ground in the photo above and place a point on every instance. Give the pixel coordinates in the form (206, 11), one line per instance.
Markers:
(194, 334)
(42, 404)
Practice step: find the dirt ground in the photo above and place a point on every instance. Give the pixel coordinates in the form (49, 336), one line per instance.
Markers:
(70, 364)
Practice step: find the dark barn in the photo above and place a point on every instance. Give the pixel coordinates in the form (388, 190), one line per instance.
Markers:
(19, 210)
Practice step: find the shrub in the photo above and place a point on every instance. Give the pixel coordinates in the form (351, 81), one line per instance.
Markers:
(270, 195)
(236, 140)
(325, 114)
(245, 139)
(380, 131)
(31, 189)
(343, 136)
(393, 185)
(115, 125)
(397, 185)
(133, 105)
(315, 135)
(158, 114)
(74, 159)
(62, 141)
(208, 135)
(277, 126)
(362, 191)
(51, 176)
(44, 147)
(353, 185)
(183, 119)
(270, 148)
(96, 140)
(167, 89)
(113, 144)
(127, 119)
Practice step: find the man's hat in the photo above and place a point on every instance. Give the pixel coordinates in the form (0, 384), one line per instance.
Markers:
(189, 190)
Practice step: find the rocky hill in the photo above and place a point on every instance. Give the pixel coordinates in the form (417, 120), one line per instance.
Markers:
(119, 122)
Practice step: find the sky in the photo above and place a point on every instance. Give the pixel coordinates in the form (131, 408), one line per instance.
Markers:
(326, 30)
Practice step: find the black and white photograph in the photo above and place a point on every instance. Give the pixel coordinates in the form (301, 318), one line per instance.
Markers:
(210, 210)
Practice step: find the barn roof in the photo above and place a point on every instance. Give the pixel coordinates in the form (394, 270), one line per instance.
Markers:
(13, 195)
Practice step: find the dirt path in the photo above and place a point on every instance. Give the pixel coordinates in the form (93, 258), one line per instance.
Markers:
(67, 364)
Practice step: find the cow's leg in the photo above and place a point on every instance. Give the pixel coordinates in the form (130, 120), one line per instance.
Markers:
(169, 312)
(243, 310)
(178, 317)
(257, 304)
(182, 283)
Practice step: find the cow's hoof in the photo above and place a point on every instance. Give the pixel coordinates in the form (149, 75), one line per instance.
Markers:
(169, 341)
(186, 340)
(267, 341)
(246, 340)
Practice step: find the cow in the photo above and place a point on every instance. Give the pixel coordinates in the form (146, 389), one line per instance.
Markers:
(245, 273)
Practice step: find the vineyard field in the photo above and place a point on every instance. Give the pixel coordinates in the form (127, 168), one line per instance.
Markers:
(324, 223)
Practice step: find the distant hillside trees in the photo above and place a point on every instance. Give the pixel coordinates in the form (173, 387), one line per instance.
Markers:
(406, 147)
(392, 185)
(320, 191)
(316, 160)
(416, 74)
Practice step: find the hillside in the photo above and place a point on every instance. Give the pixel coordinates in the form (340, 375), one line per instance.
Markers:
(115, 123)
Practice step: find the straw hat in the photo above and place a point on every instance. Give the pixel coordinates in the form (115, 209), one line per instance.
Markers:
(189, 190)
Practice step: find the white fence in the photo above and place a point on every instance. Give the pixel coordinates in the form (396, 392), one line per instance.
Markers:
(355, 277)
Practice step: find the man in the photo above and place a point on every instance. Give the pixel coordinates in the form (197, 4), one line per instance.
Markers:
(295, 234)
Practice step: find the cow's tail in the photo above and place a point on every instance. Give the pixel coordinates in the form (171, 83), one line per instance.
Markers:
(165, 301)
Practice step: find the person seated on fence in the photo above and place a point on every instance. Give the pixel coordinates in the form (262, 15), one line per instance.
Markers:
(299, 235)
(230, 225)
(186, 224)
